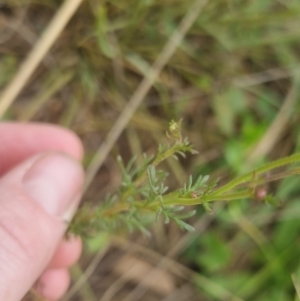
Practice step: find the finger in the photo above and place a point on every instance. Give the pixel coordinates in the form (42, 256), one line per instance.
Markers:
(32, 213)
(53, 284)
(20, 141)
(67, 253)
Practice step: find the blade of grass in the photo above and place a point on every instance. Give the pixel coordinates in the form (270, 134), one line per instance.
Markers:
(37, 53)
(257, 282)
(259, 238)
(214, 289)
(296, 285)
(82, 280)
(268, 141)
(45, 93)
(264, 77)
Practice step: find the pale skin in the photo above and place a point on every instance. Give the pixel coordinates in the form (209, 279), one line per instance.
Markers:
(32, 247)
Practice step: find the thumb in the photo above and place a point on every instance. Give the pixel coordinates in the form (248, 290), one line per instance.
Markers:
(36, 198)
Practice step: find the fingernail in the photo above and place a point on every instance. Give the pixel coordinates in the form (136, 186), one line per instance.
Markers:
(54, 181)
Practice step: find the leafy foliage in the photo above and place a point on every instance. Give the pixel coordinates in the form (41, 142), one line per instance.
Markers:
(143, 194)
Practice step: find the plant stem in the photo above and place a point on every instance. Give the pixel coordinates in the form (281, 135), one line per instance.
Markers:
(168, 153)
(249, 176)
(207, 198)
(172, 200)
(157, 160)
(176, 198)
(274, 177)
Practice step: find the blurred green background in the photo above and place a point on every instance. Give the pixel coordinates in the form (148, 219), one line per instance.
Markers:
(234, 80)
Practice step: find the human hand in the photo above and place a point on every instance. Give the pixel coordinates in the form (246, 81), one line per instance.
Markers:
(40, 188)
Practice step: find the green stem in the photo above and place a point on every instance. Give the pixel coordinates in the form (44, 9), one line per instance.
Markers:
(176, 201)
(168, 153)
(228, 197)
(173, 200)
(157, 160)
(249, 176)
(274, 177)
